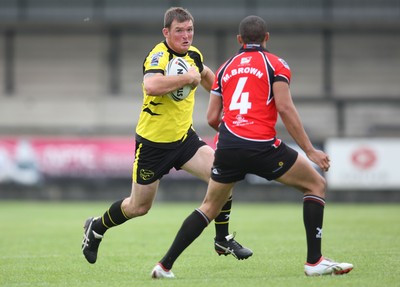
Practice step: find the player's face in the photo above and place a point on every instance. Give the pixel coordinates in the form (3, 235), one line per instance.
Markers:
(179, 36)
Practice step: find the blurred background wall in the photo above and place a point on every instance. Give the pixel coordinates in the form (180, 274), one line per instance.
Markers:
(73, 68)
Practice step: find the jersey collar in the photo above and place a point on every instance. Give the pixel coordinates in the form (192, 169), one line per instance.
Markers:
(251, 47)
(172, 51)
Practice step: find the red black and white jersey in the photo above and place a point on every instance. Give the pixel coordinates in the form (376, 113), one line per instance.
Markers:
(245, 84)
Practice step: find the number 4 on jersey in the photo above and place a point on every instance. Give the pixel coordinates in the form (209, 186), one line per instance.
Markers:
(240, 99)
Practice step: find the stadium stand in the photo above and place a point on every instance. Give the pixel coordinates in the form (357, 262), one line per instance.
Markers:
(74, 67)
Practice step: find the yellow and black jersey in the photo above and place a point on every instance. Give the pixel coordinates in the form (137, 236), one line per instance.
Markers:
(163, 121)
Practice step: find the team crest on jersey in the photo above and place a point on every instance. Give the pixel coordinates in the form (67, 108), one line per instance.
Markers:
(155, 58)
(245, 60)
(284, 63)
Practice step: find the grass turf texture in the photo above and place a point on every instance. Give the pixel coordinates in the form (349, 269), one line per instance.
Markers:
(40, 246)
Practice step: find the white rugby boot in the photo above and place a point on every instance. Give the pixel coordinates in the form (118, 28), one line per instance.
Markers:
(326, 266)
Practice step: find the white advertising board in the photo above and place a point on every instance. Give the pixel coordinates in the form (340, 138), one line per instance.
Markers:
(363, 163)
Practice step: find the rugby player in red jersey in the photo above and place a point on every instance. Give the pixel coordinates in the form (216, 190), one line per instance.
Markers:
(249, 91)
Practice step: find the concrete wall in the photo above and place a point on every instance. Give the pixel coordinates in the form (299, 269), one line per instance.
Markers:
(62, 81)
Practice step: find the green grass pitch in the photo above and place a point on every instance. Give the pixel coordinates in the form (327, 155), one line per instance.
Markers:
(40, 246)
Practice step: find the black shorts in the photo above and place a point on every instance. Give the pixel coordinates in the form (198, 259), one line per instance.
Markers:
(152, 163)
(232, 165)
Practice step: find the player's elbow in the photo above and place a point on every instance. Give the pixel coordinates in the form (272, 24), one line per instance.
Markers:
(213, 122)
(150, 90)
(286, 110)
(151, 85)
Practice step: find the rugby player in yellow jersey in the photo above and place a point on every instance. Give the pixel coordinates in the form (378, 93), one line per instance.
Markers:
(165, 138)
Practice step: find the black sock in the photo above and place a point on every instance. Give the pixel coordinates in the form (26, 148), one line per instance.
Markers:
(313, 215)
(191, 228)
(112, 217)
(222, 221)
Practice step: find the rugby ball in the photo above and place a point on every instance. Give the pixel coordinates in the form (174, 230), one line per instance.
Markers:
(178, 66)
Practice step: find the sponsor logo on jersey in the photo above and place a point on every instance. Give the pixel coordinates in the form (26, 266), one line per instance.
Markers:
(252, 46)
(242, 121)
(155, 58)
(245, 60)
(284, 63)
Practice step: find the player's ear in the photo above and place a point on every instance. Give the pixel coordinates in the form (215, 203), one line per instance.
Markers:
(165, 32)
(239, 39)
(266, 38)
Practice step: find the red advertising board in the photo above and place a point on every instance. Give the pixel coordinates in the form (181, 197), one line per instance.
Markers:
(26, 159)
(29, 160)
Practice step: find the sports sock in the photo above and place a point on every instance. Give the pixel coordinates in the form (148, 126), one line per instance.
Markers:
(191, 228)
(313, 215)
(112, 217)
(222, 221)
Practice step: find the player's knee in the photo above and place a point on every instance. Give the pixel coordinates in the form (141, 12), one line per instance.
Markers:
(210, 212)
(319, 187)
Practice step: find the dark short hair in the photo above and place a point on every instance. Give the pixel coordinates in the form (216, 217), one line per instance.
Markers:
(177, 13)
(252, 29)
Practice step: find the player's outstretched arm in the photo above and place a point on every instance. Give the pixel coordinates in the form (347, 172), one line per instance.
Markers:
(291, 120)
